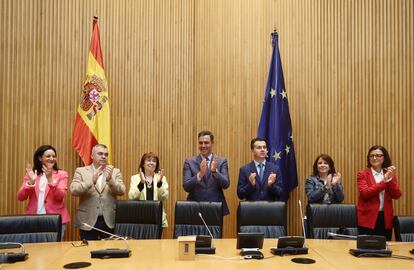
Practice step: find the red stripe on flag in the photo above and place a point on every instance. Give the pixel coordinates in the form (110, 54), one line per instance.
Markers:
(95, 46)
(83, 140)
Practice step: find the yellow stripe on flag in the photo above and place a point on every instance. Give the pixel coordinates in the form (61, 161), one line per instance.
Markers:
(95, 109)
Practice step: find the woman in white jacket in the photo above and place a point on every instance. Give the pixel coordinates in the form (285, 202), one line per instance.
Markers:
(150, 183)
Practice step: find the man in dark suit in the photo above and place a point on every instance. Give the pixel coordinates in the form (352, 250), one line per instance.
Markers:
(206, 175)
(259, 180)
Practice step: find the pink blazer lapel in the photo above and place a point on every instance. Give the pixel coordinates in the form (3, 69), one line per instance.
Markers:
(54, 177)
(47, 190)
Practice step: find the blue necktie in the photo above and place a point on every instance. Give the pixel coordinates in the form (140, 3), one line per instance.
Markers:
(261, 171)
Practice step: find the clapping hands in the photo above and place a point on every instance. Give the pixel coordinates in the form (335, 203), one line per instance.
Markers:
(47, 170)
(106, 170)
(336, 178)
(203, 168)
(32, 174)
(160, 175)
(271, 179)
(389, 174)
(141, 175)
(252, 179)
(214, 165)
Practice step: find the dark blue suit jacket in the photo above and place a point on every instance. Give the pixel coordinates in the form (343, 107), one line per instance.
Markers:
(261, 191)
(210, 187)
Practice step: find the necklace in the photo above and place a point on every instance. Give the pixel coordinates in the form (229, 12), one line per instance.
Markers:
(148, 181)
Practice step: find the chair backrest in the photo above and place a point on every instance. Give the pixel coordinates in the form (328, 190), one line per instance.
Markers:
(188, 222)
(404, 228)
(268, 218)
(139, 219)
(335, 218)
(30, 228)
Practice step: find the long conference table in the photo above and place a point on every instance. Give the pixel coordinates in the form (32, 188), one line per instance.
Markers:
(163, 254)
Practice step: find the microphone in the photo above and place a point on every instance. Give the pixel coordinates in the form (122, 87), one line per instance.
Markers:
(11, 257)
(110, 252)
(292, 245)
(340, 236)
(205, 224)
(7, 245)
(301, 219)
(205, 244)
(371, 246)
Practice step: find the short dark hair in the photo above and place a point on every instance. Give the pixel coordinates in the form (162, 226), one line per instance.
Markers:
(37, 165)
(330, 162)
(206, 133)
(147, 156)
(387, 159)
(257, 139)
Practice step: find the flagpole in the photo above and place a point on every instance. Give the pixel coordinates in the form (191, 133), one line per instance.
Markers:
(272, 36)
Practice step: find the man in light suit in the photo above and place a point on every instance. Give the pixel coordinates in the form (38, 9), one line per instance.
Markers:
(96, 185)
(206, 175)
(259, 180)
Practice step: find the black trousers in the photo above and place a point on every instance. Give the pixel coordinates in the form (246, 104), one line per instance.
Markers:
(94, 234)
(379, 228)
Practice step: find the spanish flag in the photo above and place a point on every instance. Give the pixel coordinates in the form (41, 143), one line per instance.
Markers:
(93, 121)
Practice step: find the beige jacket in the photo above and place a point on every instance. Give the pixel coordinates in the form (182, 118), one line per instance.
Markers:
(90, 198)
(160, 194)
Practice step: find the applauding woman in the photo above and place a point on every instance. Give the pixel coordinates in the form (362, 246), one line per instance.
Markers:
(324, 185)
(377, 185)
(150, 183)
(45, 185)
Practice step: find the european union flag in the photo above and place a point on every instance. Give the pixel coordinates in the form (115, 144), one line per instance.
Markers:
(275, 125)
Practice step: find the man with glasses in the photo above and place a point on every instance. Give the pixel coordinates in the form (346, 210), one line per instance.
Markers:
(97, 186)
(259, 180)
(206, 175)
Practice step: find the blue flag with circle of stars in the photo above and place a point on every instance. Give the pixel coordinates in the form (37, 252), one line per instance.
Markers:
(275, 125)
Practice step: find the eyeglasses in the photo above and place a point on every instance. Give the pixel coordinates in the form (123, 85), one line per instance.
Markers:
(83, 243)
(375, 156)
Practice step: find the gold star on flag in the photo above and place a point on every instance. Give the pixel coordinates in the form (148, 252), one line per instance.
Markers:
(272, 93)
(276, 155)
(284, 94)
(287, 149)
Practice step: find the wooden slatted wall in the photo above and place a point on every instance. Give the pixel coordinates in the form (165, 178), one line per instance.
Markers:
(176, 67)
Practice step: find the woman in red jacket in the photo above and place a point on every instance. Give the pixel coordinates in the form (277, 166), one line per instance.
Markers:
(377, 185)
(45, 185)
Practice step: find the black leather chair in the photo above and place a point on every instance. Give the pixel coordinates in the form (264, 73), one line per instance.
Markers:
(188, 222)
(139, 219)
(30, 228)
(261, 216)
(335, 218)
(404, 228)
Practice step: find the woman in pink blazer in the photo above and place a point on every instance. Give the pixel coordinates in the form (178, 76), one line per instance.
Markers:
(378, 186)
(45, 185)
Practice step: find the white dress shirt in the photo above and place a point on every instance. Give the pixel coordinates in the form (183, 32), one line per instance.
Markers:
(41, 197)
(378, 178)
(258, 168)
